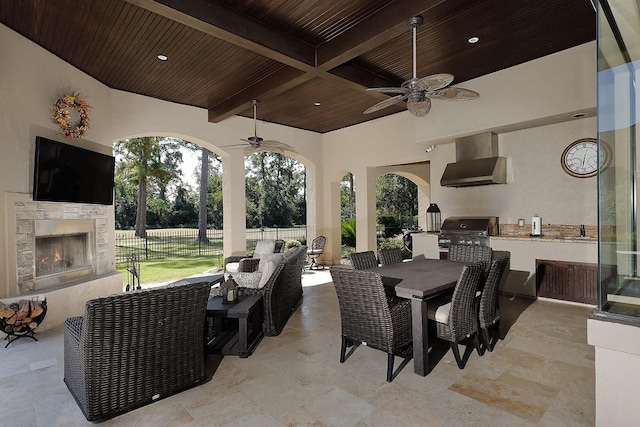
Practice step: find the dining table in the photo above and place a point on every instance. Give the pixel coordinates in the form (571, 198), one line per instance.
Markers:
(421, 280)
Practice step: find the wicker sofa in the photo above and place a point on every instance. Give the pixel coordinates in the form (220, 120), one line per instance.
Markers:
(131, 349)
(282, 291)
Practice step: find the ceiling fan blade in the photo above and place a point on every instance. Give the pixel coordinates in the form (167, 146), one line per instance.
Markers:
(233, 146)
(386, 103)
(420, 108)
(388, 89)
(278, 145)
(434, 81)
(455, 94)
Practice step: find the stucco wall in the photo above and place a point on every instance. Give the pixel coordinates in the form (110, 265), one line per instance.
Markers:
(532, 114)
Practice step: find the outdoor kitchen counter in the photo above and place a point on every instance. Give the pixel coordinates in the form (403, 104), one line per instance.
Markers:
(564, 239)
(524, 251)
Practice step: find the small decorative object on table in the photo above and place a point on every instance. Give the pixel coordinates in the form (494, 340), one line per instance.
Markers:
(229, 291)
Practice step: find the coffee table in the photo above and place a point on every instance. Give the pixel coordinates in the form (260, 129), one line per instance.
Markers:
(234, 329)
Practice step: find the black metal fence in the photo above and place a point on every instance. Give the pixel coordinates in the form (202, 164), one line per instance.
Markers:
(184, 242)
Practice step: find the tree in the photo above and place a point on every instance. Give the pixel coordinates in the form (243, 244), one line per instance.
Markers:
(145, 159)
(204, 184)
(397, 197)
(347, 197)
(125, 203)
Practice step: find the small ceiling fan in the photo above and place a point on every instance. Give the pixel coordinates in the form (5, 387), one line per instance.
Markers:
(258, 144)
(418, 92)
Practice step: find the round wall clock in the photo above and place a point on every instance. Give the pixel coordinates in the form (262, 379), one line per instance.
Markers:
(580, 158)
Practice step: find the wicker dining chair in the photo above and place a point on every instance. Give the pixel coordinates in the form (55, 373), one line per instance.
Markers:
(469, 253)
(489, 310)
(363, 260)
(368, 318)
(390, 256)
(457, 319)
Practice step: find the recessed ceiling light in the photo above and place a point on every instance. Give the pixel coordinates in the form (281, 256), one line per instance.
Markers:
(317, 104)
(579, 115)
(473, 40)
(163, 57)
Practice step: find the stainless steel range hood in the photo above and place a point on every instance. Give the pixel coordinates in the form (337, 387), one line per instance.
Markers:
(477, 162)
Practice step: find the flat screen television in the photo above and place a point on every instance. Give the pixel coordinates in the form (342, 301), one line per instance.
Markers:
(64, 173)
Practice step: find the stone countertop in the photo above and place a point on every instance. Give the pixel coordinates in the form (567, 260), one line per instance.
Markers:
(543, 238)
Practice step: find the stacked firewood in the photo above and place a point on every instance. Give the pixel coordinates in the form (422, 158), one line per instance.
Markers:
(20, 316)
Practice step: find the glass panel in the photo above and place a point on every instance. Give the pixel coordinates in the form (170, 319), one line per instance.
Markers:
(618, 62)
(58, 254)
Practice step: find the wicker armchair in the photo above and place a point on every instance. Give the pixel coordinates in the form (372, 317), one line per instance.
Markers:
(367, 317)
(457, 319)
(363, 260)
(489, 311)
(390, 256)
(131, 349)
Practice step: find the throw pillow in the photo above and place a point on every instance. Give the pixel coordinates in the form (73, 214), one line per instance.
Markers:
(247, 280)
(264, 247)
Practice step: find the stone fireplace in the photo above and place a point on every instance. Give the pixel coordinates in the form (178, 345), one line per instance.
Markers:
(59, 244)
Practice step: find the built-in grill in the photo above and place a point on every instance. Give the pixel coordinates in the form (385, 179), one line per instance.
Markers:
(467, 231)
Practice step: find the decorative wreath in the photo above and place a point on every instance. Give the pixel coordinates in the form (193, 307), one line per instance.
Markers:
(62, 115)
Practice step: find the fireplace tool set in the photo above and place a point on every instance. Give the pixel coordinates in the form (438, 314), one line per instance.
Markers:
(133, 267)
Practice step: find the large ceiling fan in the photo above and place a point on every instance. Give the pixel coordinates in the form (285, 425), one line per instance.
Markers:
(418, 92)
(257, 144)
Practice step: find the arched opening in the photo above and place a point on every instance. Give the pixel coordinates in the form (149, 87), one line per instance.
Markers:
(396, 211)
(347, 215)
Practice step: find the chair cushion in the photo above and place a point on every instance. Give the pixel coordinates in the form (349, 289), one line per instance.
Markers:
(438, 310)
(264, 247)
(232, 267)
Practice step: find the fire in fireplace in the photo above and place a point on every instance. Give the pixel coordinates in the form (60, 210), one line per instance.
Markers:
(58, 254)
(64, 251)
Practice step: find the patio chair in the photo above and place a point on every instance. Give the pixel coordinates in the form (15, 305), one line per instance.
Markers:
(363, 260)
(390, 256)
(368, 318)
(489, 310)
(456, 318)
(469, 253)
(316, 249)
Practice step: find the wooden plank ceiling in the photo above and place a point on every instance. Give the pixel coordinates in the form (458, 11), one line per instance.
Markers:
(291, 54)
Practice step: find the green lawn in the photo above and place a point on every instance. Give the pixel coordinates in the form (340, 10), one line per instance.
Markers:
(161, 270)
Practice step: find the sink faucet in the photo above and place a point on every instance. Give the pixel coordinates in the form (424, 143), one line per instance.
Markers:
(582, 231)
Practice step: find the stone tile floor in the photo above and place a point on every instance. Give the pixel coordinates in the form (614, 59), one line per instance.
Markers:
(541, 374)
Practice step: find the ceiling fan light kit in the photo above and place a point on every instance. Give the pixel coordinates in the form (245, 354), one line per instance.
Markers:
(418, 92)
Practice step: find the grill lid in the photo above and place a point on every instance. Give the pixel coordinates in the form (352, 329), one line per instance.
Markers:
(458, 224)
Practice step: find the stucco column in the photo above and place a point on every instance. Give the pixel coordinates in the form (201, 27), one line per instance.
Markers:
(234, 203)
(365, 183)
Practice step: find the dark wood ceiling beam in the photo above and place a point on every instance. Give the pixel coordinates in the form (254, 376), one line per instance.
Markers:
(224, 24)
(379, 28)
(275, 84)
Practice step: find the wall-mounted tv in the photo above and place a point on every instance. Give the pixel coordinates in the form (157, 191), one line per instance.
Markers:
(64, 173)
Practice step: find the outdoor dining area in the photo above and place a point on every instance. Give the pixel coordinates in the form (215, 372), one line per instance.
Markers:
(389, 307)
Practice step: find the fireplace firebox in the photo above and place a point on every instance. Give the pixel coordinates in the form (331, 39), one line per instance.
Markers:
(64, 251)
